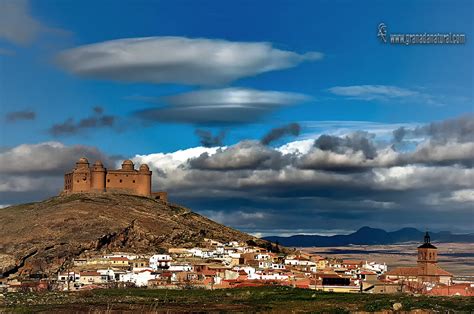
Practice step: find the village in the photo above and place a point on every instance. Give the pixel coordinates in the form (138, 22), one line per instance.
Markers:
(213, 265)
(217, 265)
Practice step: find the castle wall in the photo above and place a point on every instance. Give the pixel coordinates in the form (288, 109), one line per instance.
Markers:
(163, 196)
(124, 181)
(68, 182)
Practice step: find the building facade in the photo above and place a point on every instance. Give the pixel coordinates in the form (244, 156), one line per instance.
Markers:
(97, 179)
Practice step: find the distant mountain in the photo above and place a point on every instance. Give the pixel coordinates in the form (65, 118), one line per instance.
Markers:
(370, 236)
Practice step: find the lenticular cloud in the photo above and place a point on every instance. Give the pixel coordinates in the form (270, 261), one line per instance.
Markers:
(178, 60)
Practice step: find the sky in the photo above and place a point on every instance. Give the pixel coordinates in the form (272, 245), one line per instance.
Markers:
(273, 117)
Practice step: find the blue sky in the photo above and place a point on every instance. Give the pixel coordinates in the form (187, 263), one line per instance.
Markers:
(339, 72)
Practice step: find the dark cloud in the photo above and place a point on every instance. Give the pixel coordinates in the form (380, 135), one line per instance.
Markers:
(98, 110)
(243, 155)
(278, 133)
(71, 127)
(47, 159)
(207, 139)
(434, 153)
(399, 134)
(357, 141)
(459, 129)
(15, 116)
(31, 172)
(260, 188)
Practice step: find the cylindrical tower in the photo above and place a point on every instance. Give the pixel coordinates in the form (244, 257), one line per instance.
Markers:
(82, 164)
(98, 177)
(128, 165)
(144, 181)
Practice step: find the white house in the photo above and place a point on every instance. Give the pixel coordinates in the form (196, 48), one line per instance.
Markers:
(180, 267)
(140, 278)
(376, 267)
(248, 269)
(269, 275)
(277, 266)
(160, 261)
(122, 255)
(71, 277)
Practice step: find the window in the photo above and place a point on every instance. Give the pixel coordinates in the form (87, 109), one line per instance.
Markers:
(108, 180)
(120, 180)
(133, 181)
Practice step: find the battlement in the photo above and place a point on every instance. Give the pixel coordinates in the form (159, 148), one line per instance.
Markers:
(97, 179)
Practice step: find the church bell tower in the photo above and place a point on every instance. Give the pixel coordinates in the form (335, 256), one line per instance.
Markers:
(427, 255)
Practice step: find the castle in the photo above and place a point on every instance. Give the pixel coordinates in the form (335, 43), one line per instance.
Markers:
(97, 179)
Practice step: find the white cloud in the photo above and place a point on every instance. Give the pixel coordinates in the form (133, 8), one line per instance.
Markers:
(178, 60)
(463, 196)
(383, 93)
(220, 106)
(421, 176)
(296, 147)
(370, 92)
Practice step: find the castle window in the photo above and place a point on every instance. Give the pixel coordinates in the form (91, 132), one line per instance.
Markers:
(120, 180)
(133, 181)
(108, 180)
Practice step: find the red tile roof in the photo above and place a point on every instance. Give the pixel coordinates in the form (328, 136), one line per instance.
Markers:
(415, 271)
(403, 271)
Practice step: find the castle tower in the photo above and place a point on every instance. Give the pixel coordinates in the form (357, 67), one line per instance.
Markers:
(144, 180)
(98, 177)
(127, 165)
(81, 176)
(427, 255)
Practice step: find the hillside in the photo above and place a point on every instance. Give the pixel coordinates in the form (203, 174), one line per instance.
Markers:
(43, 237)
(370, 236)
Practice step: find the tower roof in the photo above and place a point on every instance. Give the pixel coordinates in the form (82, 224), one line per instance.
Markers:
(427, 242)
(144, 168)
(83, 160)
(127, 165)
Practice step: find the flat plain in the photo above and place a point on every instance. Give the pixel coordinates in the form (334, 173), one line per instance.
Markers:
(457, 258)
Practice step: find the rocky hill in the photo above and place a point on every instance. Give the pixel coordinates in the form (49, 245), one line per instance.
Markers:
(43, 237)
